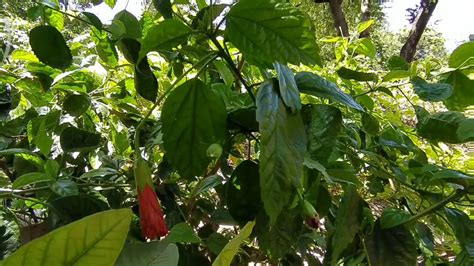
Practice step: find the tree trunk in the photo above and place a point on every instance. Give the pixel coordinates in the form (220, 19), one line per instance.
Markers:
(365, 15)
(424, 14)
(339, 18)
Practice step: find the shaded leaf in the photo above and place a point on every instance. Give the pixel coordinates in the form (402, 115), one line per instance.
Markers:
(288, 90)
(392, 217)
(156, 253)
(463, 92)
(164, 36)
(50, 47)
(31, 178)
(182, 233)
(164, 7)
(193, 118)
(76, 104)
(433, 92)
(228, 253)
(371, 124)
(441, 126)
(75, 139)
(146, 83)
(133, 29)
(347, 73)
(465, 130)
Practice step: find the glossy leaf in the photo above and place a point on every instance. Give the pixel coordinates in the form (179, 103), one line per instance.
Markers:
(50, 47)
(288, 89)
(348, 221)
(96, 239)
(193, 118)
(433, 92)
(315, 85)
(227, 254)
(156, 253)
(391, 247)
(267, 31)
(75, 139)
(164, 36)
(283, 145)
(65, 187)
(347, 73)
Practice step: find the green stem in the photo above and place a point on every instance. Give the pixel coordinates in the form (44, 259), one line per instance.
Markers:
(456, 195)
(230, 62)
(204, 62)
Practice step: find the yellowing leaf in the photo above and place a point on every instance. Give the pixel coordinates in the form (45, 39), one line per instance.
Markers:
(230, 250)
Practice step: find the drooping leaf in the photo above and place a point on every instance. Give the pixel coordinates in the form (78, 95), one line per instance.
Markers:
(156, 253)
(193, 118)
(75, 139)
(347, 73)
(324, 123)
(288, 89)
(315, 85)
(146, 83)
(164, 36)
(76, 104)
(283, 145)
(441, 126)
(228, 253)
(130, 49)
(433, 92)
(392, 217)
(243, 192)
(364, 25)
(50, 47)
(164, 7)
(43, 140)
(96, 239)
(182, 233)
(391, 247)
(348, 221)
(463, 92)
(268, 31)
(453, 176)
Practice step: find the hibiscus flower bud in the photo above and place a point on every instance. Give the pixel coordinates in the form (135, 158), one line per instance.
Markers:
(152, 223)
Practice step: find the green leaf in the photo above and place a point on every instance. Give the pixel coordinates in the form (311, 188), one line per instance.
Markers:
(51, 167)
(193, 118)
(267, 31)
(433, 92)
(96, 239)
(146, 83)
(64, 187)
(164, 36)
(50, 47)
(463, 228)
(43, 141)
(463, 56)
(397, 63)
(465, 130)
(348, 221)
(396, 75)
(76, 104)
(243, 192)
(315, 85)
(105, 48)
(366, 47)
(156, 253)
(453, 177)
(361, 27)
(463, 92)
(8, 239)
(243, 119)
(283, 145)
(133, 29)
(130, 49)
(347, 73)
(441, 126)
(164, 7)
(75, 139)
(208, 183)
(92, 18)
(16, 151)
(110, 3)
(371, 124)
(182, 233)
(323, 125)
(391, 247)
(205, 17)
(288, 89)
(53, 17)
(392, 217)
(227, 254)
(31, 178)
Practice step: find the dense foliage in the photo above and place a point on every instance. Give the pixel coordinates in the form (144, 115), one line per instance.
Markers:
(260, 149)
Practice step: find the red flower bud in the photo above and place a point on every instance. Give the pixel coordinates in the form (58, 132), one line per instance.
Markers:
(151, 216)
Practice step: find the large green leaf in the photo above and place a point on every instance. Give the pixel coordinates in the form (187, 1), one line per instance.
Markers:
(164, 36)
(94, 240)
(228, 253)
(76, 104)
(463, 92)
(267, 31)
(347, 73)
(465, 130)
(348, 221)
(463, 56)
(391, 247)
(463, 228)
(441, 126)
(50, 47)
(315, 85)
(433, 92)
(392, 217)
(182, 233)
(133, 29)
(324, 123)
(243, 192)
(194, 118)
(75, 139)
(156, 253)
(288, 89)
(283, 145)
(31, 178)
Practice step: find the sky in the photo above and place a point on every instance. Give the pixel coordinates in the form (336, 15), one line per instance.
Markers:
(453, 18)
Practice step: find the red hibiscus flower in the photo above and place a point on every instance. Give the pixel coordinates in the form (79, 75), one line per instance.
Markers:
(151, 216)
